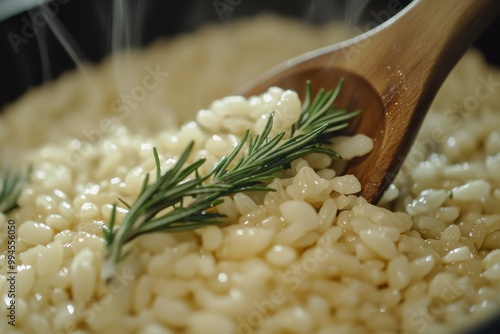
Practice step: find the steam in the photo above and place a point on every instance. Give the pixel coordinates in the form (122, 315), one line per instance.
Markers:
(126, 33)
(354, 11)
(350, 12)
(64, 37)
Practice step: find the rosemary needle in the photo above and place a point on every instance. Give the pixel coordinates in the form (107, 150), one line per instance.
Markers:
(240, 171)
(11, 185)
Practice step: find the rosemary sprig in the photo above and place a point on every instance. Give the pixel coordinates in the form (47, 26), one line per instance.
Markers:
(240, 171)
(11, 185)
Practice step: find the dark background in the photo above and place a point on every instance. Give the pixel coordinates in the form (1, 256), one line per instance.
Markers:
(89, 23)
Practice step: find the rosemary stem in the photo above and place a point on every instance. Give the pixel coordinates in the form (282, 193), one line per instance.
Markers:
(265, 157)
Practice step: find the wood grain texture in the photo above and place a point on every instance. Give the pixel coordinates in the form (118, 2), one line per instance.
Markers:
(392, 73)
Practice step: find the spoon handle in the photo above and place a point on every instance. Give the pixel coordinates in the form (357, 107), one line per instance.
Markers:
(392, 73)
(414, 52)
(418, 57)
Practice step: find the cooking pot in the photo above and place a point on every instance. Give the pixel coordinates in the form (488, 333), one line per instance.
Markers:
(31, 53)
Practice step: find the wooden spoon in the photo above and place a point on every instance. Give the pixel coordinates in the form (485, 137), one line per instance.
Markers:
(392, 73)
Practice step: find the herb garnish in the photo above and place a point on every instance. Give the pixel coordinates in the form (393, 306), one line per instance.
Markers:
(11, 186)
(241, 171)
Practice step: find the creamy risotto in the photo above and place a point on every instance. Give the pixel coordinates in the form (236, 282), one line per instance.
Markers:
(311, 257)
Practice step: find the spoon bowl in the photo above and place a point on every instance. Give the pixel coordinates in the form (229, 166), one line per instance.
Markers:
(392, 73)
